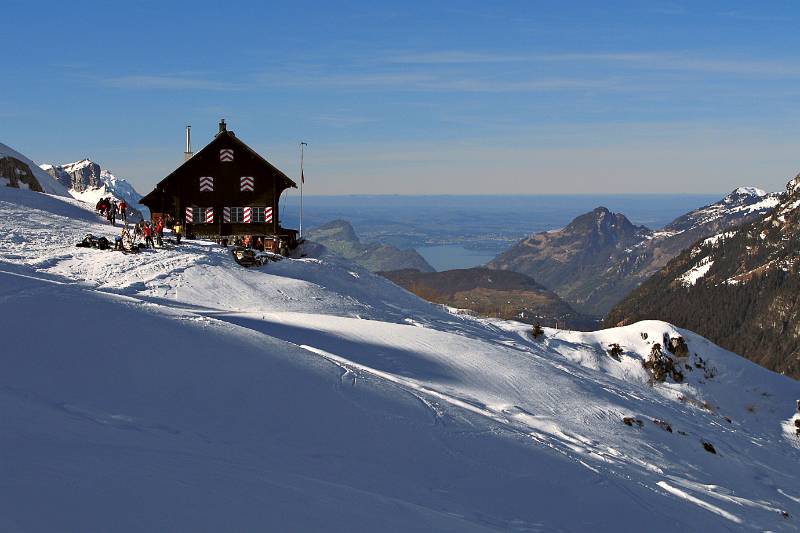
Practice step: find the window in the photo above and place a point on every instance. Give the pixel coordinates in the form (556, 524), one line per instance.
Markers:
(203, 215)
(237, 214)
(262, 214)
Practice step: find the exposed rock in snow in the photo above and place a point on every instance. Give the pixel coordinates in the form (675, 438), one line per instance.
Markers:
(16, 170)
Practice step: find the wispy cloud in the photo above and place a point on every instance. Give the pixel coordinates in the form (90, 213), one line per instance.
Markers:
(342, 119)
(639, 60)
(758, 17)
(169, 82)
(426, 81)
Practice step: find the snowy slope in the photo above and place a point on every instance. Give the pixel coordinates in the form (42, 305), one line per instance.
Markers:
(174, 390)
(48, 184)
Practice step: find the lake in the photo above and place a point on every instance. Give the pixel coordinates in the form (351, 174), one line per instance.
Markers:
(466, 231)
(450, 256)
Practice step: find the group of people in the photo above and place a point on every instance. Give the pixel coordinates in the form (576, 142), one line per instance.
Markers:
(152, 233)
(109, 208)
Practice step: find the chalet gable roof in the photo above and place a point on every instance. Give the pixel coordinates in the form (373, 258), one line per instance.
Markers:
(226, 138)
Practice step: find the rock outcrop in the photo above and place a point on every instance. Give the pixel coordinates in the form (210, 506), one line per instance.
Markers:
(339, 237)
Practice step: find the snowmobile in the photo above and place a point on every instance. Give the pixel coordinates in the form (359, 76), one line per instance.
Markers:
(247, 257)
(90, 241)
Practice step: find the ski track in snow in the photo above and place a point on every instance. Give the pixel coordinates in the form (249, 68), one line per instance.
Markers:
(564, 394)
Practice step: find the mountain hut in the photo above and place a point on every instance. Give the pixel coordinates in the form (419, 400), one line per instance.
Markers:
(225, 190)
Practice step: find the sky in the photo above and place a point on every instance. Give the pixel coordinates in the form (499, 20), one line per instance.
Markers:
(416, 97)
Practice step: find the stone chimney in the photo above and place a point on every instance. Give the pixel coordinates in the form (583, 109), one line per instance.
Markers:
(222, 126)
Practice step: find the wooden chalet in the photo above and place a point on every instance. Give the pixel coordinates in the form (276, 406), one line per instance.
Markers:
(225, 190)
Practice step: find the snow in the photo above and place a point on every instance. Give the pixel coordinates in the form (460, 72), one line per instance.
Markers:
(750, 191)
(767, 203)
(696, 272)
(713, 240)
(48, 183)
(175, 390)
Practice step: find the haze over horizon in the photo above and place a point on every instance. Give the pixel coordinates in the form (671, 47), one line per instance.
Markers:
(412, 98)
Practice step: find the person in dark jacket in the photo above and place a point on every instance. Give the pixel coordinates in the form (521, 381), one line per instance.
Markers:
(111, 212)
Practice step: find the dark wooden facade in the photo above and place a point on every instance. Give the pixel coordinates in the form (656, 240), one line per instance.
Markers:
(240, 188)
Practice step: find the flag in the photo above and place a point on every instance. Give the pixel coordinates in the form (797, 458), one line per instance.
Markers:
(302, 177)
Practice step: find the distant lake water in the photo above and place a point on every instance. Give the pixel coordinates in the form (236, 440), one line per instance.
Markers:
(450, 256)
(439, 226)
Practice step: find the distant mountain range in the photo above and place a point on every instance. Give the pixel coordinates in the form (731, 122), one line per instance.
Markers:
(740, 288)
(493, 293)
(601, 256)
(339, 237)
(88, 182)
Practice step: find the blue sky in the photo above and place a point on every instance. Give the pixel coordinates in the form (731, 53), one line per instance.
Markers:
(416, 97)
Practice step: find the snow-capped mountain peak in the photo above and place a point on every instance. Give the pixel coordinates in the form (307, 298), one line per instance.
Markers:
(78, 165)
(748, 191)
(89, 182)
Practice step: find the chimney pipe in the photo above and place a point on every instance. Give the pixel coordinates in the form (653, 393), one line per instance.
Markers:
(222, 126)
(188, 153)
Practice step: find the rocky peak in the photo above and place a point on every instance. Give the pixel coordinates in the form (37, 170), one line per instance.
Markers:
(793, 186)
(744, 194)
(337, 229)
(339, 237)
(603, 226)
(78, 176)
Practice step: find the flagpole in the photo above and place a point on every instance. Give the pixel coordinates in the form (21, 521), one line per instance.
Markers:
(302, 181)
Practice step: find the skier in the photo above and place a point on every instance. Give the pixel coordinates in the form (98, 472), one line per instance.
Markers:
(148, 235)
(176, 229)
(123, 207)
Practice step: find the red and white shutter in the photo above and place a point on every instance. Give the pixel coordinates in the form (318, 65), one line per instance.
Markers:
(248, 215)
(267, 214)
(206, 184)
(209, 215)
(246, 184)
(226, 214)
(189, 214)
(226, 155)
